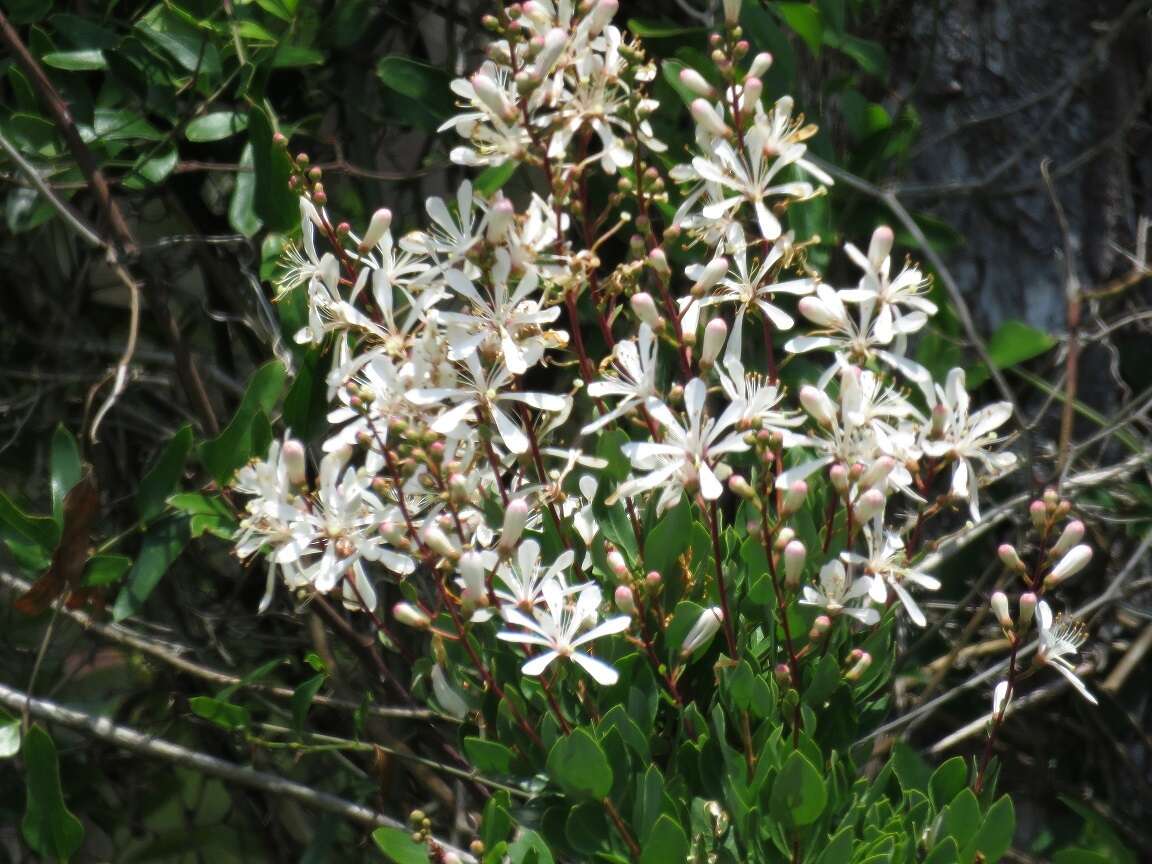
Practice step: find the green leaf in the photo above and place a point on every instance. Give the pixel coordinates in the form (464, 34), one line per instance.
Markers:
(646, 29)
(162, 545)
(530, 846)
(948, 781)
(669, 538)
(152, 169)
(995, 835)
(578, 765)
(805, 21)
(798, 792)
(241, 207)
(42, 531)
(276, 205)
(105, 570)
(489, 757)
(164, 475)
(494, 177)
(48, 827)
(191, 48)
(9, 735)
(399, 847)
(666, 843)
(946, 852)
(120, 124)
(302, 698)
(216, 126)
(66, 468)
(911, 770)
(220, 712)
(208, 515)
(239, 442)
(285, 10)
(1013, 343)
(75, 61)
(961, 818)
(306, 405)
(426, 86)
(868, 55)
(296, 56)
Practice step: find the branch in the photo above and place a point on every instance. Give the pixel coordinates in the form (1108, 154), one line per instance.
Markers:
(125, 738)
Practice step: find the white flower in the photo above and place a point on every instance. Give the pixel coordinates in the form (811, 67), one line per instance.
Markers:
(836, 594)
(887, 565)
(524, 577)
(451, 235)
(1058, 640)
(683, 458)
(967, 438)
(889, 295)
(557, 628)
(634, 380)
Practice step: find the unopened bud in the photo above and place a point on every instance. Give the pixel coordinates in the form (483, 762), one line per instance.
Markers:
(795, 554)
(940, 415)
(712, 273)
(295, 462)
(411, 616)
(555, 41)
(878, 473)
(753, 87)
(475, 591)
(863, 661)
(500, 217)
(645, 308)
(378, 226)
(696, 82)
(492, 95)
(1074, 560)
(794, 497)
(1027, 609)
(602, 12)
(617, 564)
(659, 261)
(707, 118)
(818, 312)
(515, 519)
(653, 578)
(715, 333)
(783, 537)
(1062, 509)
(820, 626)
(1051, 498)
(1039, 514)
(817, 403)
(1010, 558)
(732, 12)
(881, 246)
(761, 63)
(838, 474)
(741, 487)
(436, 540)
(625, 601)
(1073, 533)
(702, 631)
(868, 505)
(782, 674)
(999, 604)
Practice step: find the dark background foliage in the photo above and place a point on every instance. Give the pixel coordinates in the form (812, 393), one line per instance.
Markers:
(949, 108)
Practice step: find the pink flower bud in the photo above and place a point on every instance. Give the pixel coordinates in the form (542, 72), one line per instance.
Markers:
(838, 475)
(820, 626)
(491, 95)
(1027, 609)
(652, 578)
(714, 335)
(702, 631)
(1074, 560)
(708, 119)
(881, 246)
(436, 540)
(601, 14)
(863, 661)
(625, 601)
(794, 497)
(645, 308)
(555, 40)
(295, 462)
(1073, 533)
(783, 537)
(411, 616)
(940, 415)
(782, 674)
(753, 87)
(1039, 514)
(817, 403)
(659, 261)
(1010, 558)
(794, 557)
(696, 82)
(378, 226)
(878, 472)
(999, 604)
(617, 564)
(712, 273)
(870, 504)
(740, 486)
(819, 313)
(761, 63)
(500, 217)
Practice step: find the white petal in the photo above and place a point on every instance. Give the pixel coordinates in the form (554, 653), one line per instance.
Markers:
(598, 669)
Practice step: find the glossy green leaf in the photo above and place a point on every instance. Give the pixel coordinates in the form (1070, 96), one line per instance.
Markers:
(75, 61)
(179, 39)
(1014, 342)
(241, 440)
(49, 828)
(494, 177)
(805, 21)
(302, 698)
(242, 205)
(798, 792)
(869, 56)
(425, 86)
(960, 819)
(667, 842)
(162, 545)
(274, 203)
(668, 538)
(529, 846)
(399, 847)
(995, 835)
(105, 570)
(152, 169)
(42, 531)
(209, 515)
(216, 126)
(489, 757)
(948, 781)
(220, 712)
(578, 765)
(306, 403)
(163, 477)
(66, 468)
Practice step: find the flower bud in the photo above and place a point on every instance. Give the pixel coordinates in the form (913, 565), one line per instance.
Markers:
(555, 41)
(818, 312)
(881, 246)
(515, 518)
(617, 564)
(712, 273)
(732, 12)
(714, 335)
(1010, 558)
(696, 82)
(436, 540)
(863, 661)
(1027, 609)
(753, 87)
(491, 95)
(645, 308)
(782, 674)
(702, 631)
(411, 616)
(999, 605)
(817, 403)
(1074, 560)
(1073, 533)
(471, 566)
(940, 415)
(741, 487)
(761, 63)
(870, 504)
(783, 537)
(794, 497)
(601, 14)
(838, 475)
(795, 555)
(1051, 499)
(625, 601)
(653, 578)
(295, 462)
(708, 119)
(378, 226)
(500, 217)
(820, 626)
(878, 473)
(1039, 514)
(658, 260)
